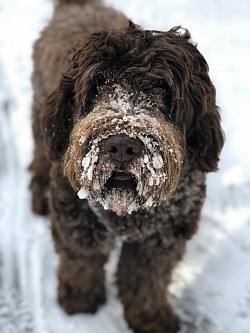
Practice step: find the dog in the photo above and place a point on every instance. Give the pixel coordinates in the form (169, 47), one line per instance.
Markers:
(126, 127)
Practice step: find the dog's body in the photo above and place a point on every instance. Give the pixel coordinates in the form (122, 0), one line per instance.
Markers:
(129, 132)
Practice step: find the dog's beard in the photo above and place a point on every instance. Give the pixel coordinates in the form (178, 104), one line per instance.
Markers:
(119, 193)
(115, 190)
(118, 196)
(140, 185)
(120, 201)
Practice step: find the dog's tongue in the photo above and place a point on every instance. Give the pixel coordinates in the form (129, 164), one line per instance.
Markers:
(119, 213)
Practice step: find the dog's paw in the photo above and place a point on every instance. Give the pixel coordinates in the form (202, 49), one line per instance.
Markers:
(74, 300)
(161, 322)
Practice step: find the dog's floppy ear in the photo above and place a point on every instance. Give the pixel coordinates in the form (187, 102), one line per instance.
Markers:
(206, 139)
(195, 108)
(56, 124)
(73, 95)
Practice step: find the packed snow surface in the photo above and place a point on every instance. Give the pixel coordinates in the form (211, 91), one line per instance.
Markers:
(211, 287)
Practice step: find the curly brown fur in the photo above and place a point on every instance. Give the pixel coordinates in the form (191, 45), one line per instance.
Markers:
(133, 128)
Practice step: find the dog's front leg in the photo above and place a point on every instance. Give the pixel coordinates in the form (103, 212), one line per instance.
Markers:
(83, 252)
(83, 245)
(81, 283)
(144, 271)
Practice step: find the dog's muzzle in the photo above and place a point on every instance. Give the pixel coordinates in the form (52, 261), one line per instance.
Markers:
(125, 158)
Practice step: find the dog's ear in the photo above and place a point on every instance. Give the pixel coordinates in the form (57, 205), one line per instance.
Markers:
(74, 95)
(56, 124)
(195, 110)
(206, 139)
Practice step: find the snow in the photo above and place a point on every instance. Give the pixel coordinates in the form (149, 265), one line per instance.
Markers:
(211, 288)
(146, 159)
(86, 162)
(157, 162)
(82, 193)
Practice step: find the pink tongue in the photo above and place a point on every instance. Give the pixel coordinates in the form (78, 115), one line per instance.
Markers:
(119, 212)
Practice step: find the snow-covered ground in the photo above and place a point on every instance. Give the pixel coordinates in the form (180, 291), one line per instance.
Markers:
(211, 288)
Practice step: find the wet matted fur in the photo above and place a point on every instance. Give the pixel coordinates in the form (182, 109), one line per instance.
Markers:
(129, 132)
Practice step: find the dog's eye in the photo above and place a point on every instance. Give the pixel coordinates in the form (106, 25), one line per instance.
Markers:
(168, 107)
(168, 100)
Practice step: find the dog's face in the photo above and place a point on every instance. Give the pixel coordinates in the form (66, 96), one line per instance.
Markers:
(124, 153)
(133, 109)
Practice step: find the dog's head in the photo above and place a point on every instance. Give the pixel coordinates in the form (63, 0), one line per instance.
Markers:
(132, 110)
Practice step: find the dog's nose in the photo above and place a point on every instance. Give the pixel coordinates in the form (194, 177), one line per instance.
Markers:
(122, 148)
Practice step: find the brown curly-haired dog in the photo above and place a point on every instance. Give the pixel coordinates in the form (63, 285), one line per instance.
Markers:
(129, 132)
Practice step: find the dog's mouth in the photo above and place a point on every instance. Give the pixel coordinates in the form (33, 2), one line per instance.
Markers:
(120, 192)
(122, 181)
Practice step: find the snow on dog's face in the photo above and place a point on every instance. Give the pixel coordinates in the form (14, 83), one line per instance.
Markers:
(121, 184)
